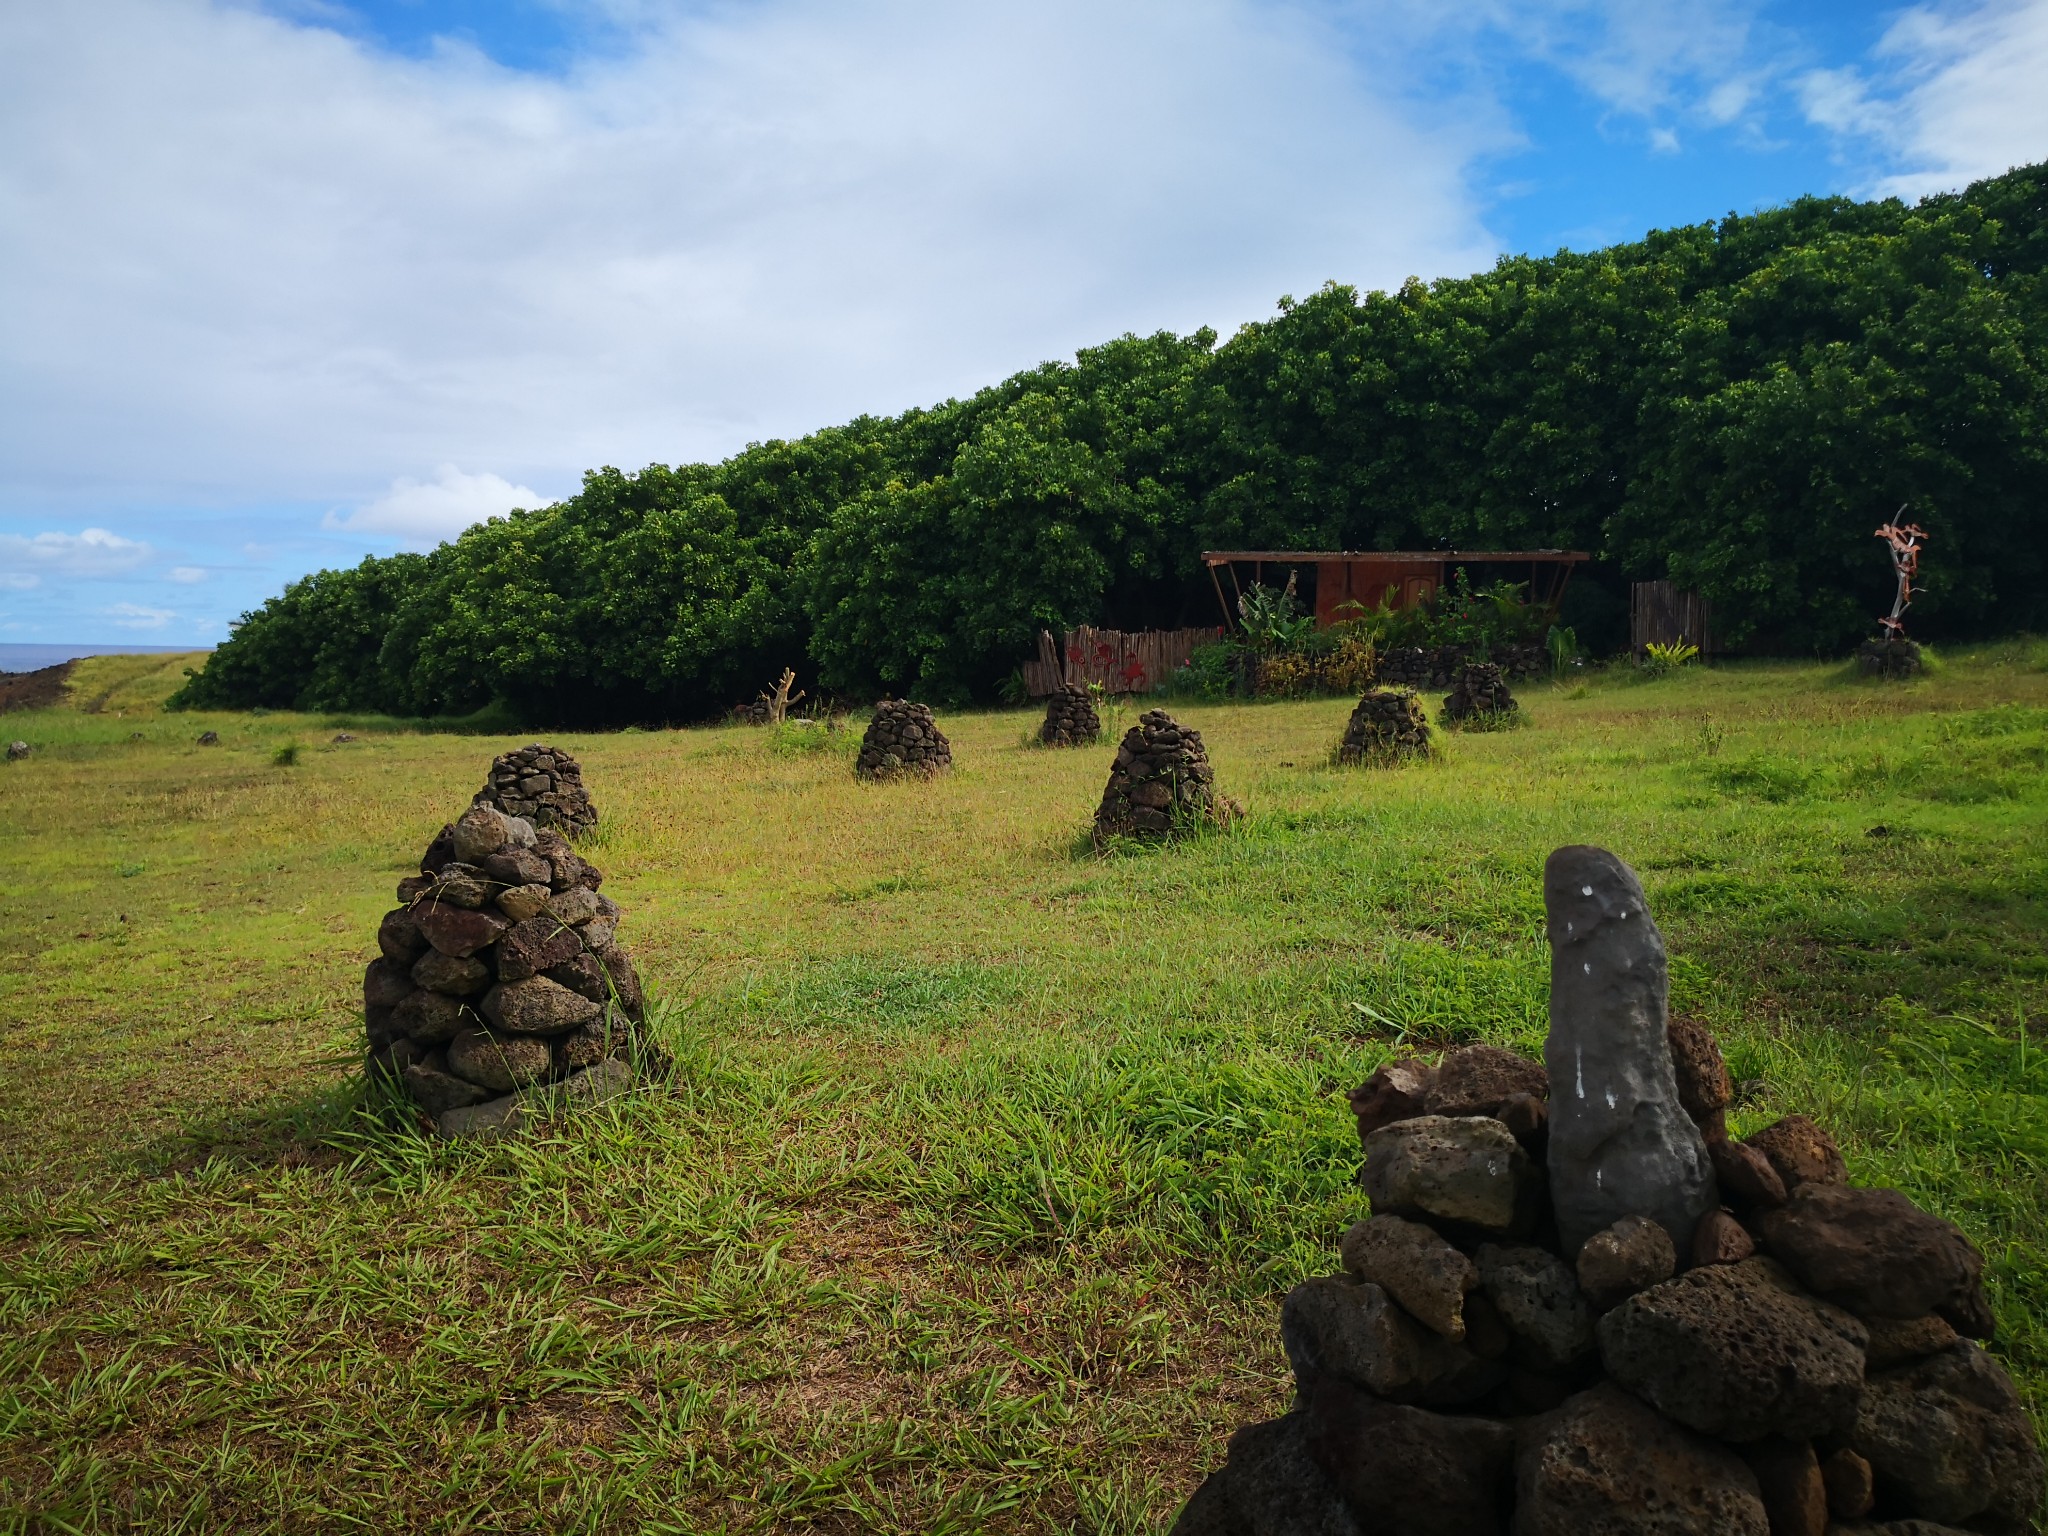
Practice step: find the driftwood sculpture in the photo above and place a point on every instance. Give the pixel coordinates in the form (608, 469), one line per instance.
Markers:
(1904, 541)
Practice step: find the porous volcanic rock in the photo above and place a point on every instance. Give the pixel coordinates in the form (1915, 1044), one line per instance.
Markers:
(1160, 784)
(1738, 1351)
(1070, 718)
(1876, 1253)
(1948, 1436)
(1478, 691)
(1386, 726)
(1725, 1399)
(475, 1016)
(541, 785)
(1607, 1464)
(903, 740)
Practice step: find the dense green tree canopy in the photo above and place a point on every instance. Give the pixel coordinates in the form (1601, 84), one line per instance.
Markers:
(1734, 406)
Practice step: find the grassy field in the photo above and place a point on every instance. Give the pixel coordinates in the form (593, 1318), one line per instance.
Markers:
(985, 1161)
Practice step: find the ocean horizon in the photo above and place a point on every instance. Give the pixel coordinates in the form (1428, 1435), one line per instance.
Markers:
(33, 658)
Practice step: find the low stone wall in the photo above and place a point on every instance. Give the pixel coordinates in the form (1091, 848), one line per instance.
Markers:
(1578, 1306)
(1413, 667)
(1386, 726)
(500, 985)
(543, 785)
(903, 739)
(1070, 718)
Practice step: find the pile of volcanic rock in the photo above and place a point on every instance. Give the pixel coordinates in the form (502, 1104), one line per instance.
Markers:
(1387, 725)
(903, 739)
(543, 785)
(1160, 783)
(1436, 666)
(1579, 1308)
(1070, 718)
(1897, 657)
(1478, 692)
(500, 983)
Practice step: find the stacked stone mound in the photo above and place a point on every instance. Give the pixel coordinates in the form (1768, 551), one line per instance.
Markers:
(501, 984)
(542, 785)
(1387, 725)
(1070, 718)
(1160, 783)
(1579, 1308)
(756, 713)
(1888, 658)
(903, 738)
(1435, 666)
(1478, 692)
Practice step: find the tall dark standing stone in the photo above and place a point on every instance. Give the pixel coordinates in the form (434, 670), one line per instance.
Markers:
(1621, 1143)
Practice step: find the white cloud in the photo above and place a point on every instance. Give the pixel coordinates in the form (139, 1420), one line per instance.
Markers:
(250, 258)
(136, 616)
(1958, 92)
(95, 552)
(422, 514)
(19, 581)
(187, 575)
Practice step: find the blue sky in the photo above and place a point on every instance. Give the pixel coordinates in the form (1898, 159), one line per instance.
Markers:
(299, 281)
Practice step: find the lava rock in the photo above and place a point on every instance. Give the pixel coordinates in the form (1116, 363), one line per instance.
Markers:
(1605, 1464)
(1878, 1254)
(537, 1006)
(1704, 1087)
(1620, 1143)
(1630, 1256)
(1478, 691)
(458, 931)
(1470, 1172)
(399, 938)
(1851, 1490)
(1270, 1484)
(532, 946)
(1896, 1340)
(1745, 1175)
(480, 832)
(1738, 1352)
(1721, 1239)
(1538, 1298)
(1341, 1327)
(1411, 1471)
(445, 973)
(1412, 1264)
(499, 1062)
(385, 985)
(1397, 1091)
(437, 1092)
(1788, 1477)
(1478, 1079)
(432, 1017)
(1801, 1152)
(1948, 1436)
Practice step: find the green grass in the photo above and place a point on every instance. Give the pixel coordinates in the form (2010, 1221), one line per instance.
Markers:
(985, 1160)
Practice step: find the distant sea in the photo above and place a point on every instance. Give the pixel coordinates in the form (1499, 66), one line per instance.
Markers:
(33, 658)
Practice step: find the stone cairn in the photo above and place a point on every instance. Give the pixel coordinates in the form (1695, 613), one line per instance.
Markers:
(1579, 1308)
(542, 785)
(1478, 692)
(1387, 725)
(500, 985)
(17, 750)
(903, 739)
(1070, 718)
(1892, 657)
(1160, 784)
